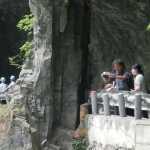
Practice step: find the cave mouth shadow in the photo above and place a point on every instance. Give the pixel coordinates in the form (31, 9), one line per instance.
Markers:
(11, 38)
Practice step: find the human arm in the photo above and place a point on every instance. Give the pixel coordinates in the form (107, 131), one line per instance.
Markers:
(6, 89)
(138, 88)
(138, 83)
(108, 87)
(10, 85)
(125, 76)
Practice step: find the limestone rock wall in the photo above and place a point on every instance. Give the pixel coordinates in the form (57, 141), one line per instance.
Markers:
(49, 80)
(16, 135)
(118, 30)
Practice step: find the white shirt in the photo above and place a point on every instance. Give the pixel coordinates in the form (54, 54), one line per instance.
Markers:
(3, 86)
(139, 80)
(11, 86)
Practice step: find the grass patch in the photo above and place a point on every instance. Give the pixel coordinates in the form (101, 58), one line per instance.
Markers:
(6, 111)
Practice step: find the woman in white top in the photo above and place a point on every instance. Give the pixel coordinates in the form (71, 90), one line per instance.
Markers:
(139, 83)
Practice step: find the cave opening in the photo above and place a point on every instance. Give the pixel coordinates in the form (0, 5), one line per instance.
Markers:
(11, 38)
(86, 76)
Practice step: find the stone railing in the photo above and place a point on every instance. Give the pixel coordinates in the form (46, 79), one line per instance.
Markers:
(95, 105)
(120, 98)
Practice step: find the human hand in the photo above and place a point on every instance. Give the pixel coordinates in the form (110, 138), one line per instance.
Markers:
(111, 75)
(108, 86)
(107, 90)
(104, 79)
(101, 75)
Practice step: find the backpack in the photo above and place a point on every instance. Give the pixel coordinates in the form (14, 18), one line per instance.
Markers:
(130, 82)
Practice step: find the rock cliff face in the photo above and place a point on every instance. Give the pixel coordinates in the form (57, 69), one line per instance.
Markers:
(118, 30)
(72, 45)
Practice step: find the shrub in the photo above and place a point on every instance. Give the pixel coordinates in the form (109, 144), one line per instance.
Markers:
(79, 144)
(26, 24)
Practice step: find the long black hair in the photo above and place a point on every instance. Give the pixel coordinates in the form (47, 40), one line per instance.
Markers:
(119, 62)
(138, 68)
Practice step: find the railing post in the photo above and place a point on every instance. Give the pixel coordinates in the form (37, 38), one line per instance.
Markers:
(122, 109)
(94, 102)
(138, 111)
(106, 104)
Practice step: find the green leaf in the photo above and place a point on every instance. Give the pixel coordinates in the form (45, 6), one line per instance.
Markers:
(148, 27)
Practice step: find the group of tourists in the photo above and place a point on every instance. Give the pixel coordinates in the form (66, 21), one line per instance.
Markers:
(123, 80)
(7, 88)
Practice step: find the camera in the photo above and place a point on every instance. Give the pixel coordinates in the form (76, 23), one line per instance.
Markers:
(105, 75)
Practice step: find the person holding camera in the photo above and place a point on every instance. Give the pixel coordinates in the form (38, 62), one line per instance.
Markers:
(120, 79)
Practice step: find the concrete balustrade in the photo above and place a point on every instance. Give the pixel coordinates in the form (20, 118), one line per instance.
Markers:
(123, 99)
(137, 110)
(106, 104)
(94, 102)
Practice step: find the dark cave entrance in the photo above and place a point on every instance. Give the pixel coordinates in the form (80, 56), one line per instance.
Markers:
(11, 38)
(84, 86)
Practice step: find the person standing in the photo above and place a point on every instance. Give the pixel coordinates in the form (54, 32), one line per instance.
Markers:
(3, 86)
(121, 78)
(139, 83)
(11, 86)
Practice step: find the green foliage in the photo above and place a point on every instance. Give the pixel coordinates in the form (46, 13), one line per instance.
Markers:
(148, 27)
(66, 1)
(26, 49)
(3, 112)
(6, 111)
(26, 24)
(79, 144)
(17, 60)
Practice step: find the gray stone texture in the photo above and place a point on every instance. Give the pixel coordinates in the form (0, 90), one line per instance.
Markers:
(16, 135)
(118, 30)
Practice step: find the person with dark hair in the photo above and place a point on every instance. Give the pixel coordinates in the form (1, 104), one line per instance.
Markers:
(121, 78)
(139, 83)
